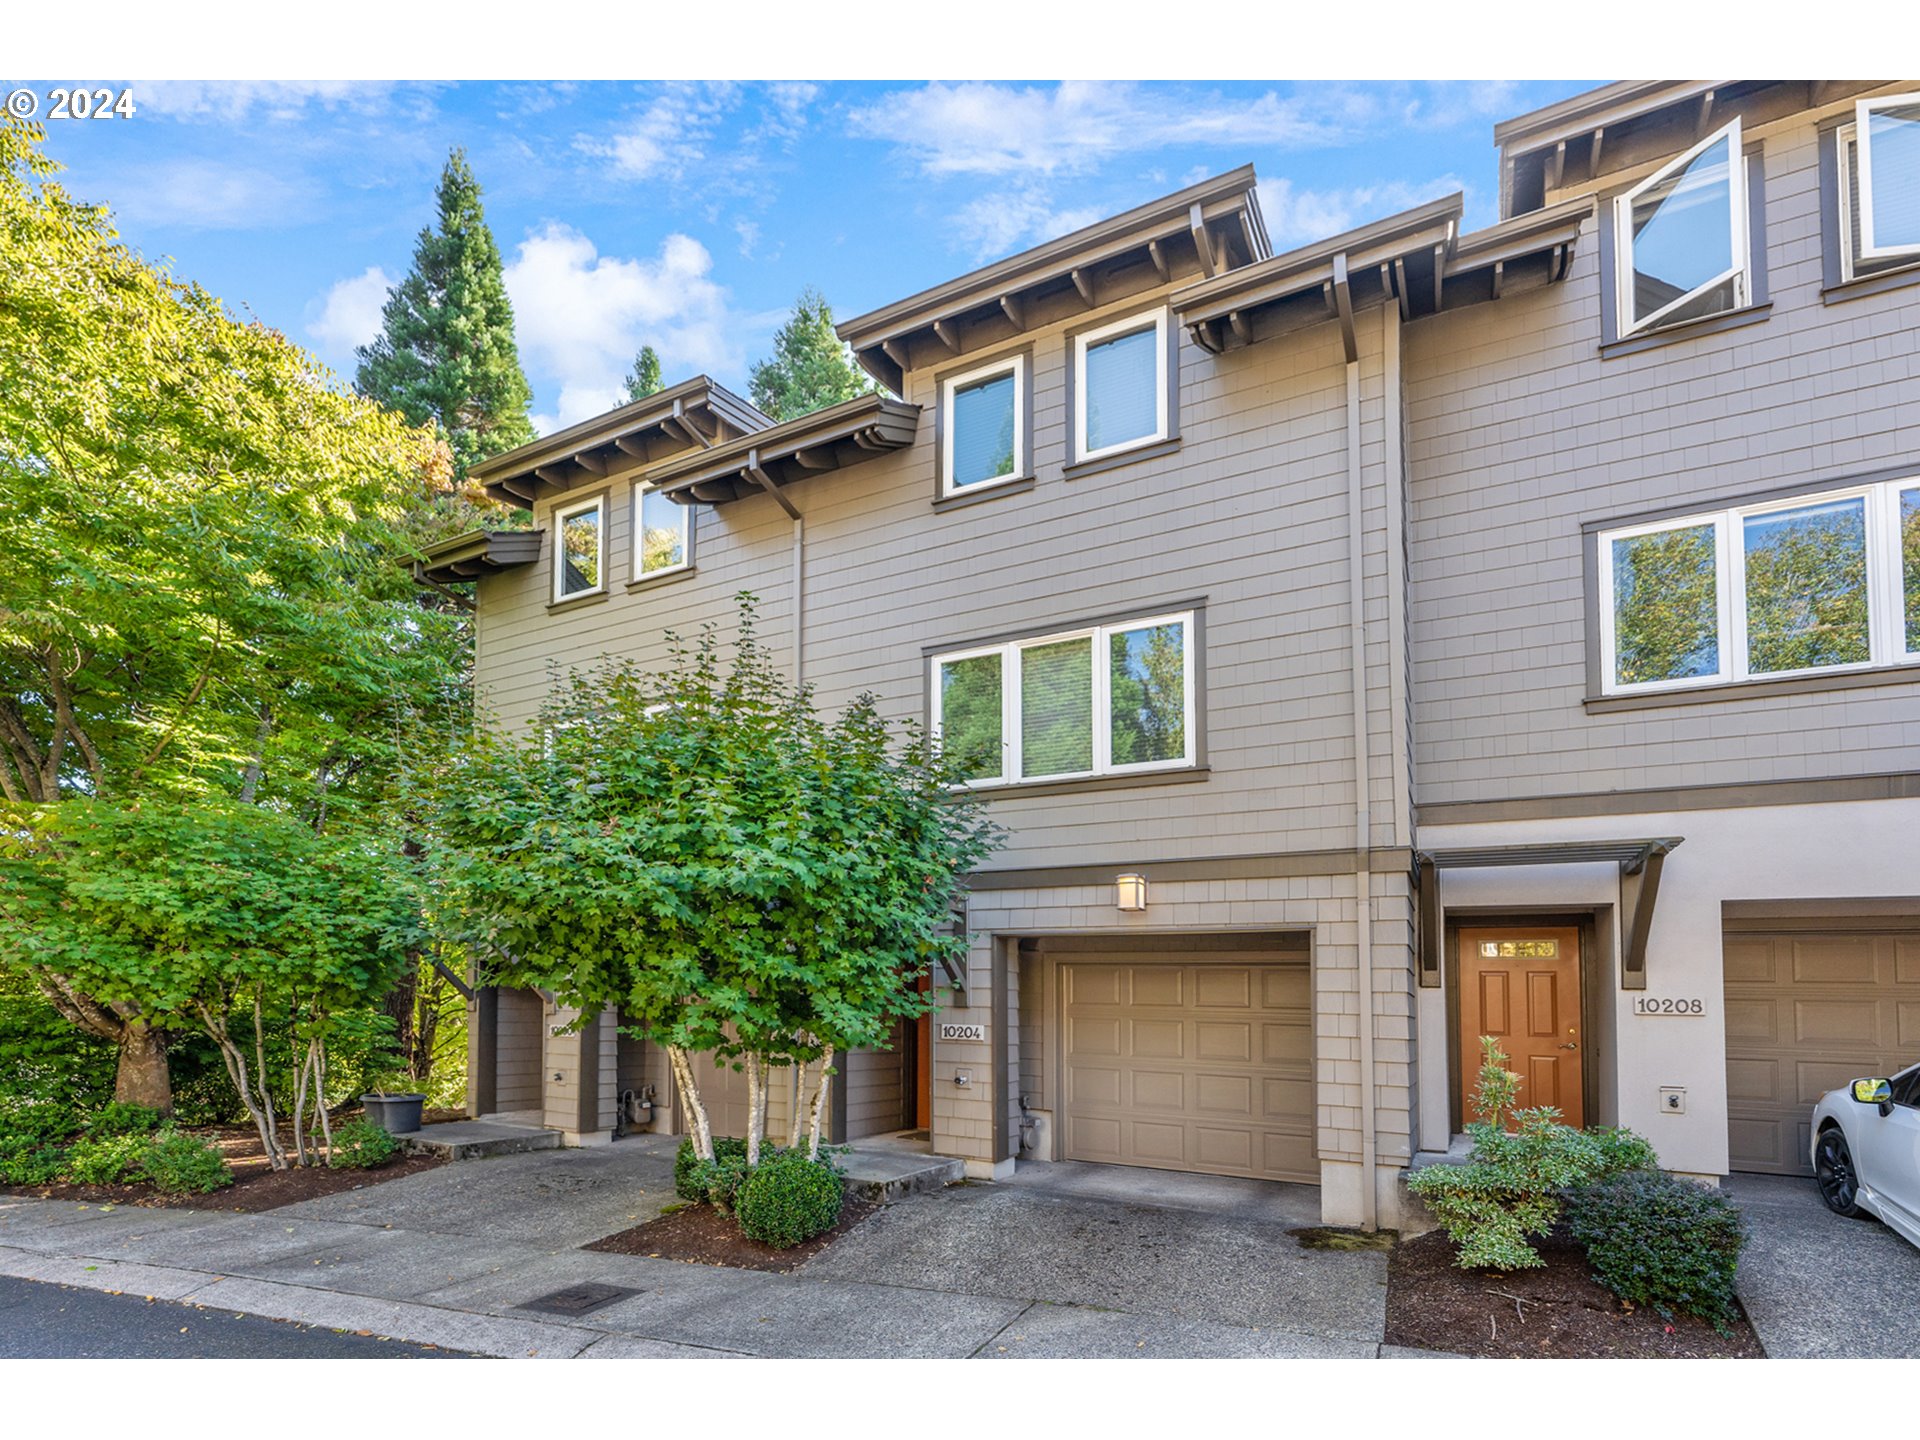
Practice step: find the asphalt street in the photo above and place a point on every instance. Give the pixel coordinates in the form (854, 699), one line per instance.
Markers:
(52, 1322)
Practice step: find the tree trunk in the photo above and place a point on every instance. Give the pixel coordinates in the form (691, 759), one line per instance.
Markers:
(756, 1108)
(690, 1097)
(819, 1103)
(797, 1123)
(142, 1077)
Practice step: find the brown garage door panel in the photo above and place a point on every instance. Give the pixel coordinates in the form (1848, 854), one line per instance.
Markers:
(1204, 1067)
(1808, 1010)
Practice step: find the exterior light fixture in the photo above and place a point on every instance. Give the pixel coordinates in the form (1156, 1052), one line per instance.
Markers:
(1130, 892)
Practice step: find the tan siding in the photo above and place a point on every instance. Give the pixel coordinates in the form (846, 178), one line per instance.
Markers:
(518, 1051)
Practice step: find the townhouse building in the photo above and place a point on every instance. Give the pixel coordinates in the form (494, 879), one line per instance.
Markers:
(1409, 637)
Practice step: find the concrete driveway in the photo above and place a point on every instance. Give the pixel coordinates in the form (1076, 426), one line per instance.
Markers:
(1816, 1285)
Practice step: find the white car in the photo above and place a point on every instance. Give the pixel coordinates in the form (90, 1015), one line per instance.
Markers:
(1866, 1150)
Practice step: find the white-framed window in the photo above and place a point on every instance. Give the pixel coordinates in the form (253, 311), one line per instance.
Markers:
(1120, 386)
(1881, 150)
(1680, 238)
(580, 549)
(662, 533)
(983, 425)
(1811, 585)
(1100, 700)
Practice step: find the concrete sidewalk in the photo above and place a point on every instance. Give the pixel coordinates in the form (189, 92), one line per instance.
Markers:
(449, 1257)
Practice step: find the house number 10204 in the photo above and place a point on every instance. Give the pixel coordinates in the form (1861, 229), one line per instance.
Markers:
(1664, 1005)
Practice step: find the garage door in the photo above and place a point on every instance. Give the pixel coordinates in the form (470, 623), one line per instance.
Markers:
(1808, 1010)
(1205, 1067)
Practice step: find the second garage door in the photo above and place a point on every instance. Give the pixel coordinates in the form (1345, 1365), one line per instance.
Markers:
(1205, 1067)
(1807, 1010)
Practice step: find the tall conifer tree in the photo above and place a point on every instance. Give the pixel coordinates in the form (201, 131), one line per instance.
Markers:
(446, 354)
(645, 378)
(810, 368)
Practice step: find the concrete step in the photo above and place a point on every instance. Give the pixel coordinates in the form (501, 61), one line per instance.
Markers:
(477, 1139)
(882, 1174)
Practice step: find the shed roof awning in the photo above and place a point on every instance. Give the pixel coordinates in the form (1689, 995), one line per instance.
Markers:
(1417, 259)
(477, 553)
(695, 415)
(832, 439)
(1205, 229)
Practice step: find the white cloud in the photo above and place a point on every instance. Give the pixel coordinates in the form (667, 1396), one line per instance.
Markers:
(998, 224)
(229, 100)
(995, 129)
(666, 137)
(207, 195)
(349, 313)
(1299, 217)
(581, 316)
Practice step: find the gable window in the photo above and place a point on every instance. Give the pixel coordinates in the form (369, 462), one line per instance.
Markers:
(1879, 187)
(1681, 238)
(579, 549)
(1120, 386)
(983, 426)
(1104, 700)
(662, 534)
(1811, 585)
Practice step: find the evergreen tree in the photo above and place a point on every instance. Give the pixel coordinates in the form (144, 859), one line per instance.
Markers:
(445, 354)
(645, 379)
(809, 369)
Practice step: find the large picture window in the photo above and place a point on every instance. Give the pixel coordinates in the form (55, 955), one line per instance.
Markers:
(579, 551)
(1815, 584)
(1105, 700)
(1120, 386)
(1681, 238)
(983, 426)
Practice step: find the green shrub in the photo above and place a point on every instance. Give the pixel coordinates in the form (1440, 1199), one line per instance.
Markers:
(1660, 1241)
(106, 1159)
(1512, 1184)
(183, 1165)
(118, 1119)
(789, 1199)
(43, 1124)
(27, 1161)
(361, 1145)
(691, 1177)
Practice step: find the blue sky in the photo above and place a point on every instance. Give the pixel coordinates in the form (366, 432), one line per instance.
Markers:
(688, 215)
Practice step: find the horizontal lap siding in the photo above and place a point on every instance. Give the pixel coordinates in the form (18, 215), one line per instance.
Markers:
(519, 1051)
(1519, 433)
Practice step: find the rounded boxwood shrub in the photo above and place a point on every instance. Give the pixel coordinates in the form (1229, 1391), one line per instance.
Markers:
(107, 1159)
(789, 1199)
(361, 1145)
(1660, 1241)
(183, 1165)
(694, 1178)
(119, 1119)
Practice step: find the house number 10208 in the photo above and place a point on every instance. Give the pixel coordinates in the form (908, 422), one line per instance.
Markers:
(1663, 1005)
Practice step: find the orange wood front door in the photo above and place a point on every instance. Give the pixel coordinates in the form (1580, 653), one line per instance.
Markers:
(1522, 986)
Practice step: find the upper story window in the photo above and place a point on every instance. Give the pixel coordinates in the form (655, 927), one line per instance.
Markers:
(1681, 238)
(1880, 186)
(1811, 585)
(579, 552)
(662, 534)
(1105, 700)
(1120, 386)
(983, 425)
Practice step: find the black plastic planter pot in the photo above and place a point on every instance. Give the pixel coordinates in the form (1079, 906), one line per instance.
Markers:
(395, 1114)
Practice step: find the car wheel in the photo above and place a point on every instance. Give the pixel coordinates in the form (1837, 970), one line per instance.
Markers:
(1833, 1172)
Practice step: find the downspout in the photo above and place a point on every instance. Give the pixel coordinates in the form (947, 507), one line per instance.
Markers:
(1362, 763)
(766, 483)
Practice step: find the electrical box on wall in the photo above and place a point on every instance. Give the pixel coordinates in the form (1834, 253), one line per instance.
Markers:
(1673, 1099)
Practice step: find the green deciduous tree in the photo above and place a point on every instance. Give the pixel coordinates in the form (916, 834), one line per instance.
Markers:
(810, 368)
(446, 354)
(201, 596)
(698, 848)
(644, 379)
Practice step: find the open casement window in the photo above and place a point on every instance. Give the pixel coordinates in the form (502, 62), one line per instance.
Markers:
(1817, 584)
(579, 550)
(1885, 139)
(662, 534)
(1105, 700)
(1681, 238)
(983, 426)
(1120, 386)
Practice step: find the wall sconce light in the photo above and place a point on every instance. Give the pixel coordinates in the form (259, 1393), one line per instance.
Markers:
(1130, 892)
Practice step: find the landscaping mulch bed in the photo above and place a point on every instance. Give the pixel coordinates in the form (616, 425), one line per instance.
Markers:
(255, 1187)
(701, 1235)
(1558, 1312)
